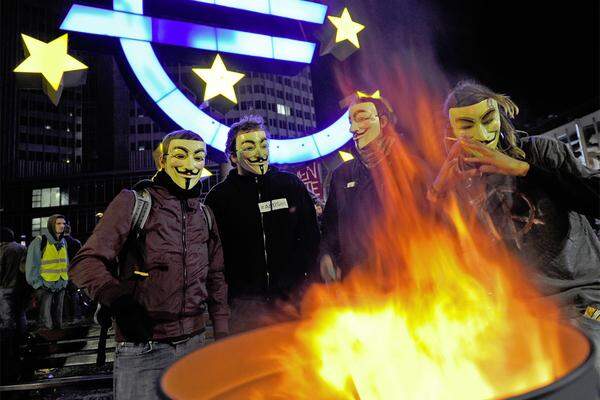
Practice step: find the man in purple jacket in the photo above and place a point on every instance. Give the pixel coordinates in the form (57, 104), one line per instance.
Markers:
(166, 271)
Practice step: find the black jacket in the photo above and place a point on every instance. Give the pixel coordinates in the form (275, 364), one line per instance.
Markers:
(557, 195)
(287, 224)
(352, 206)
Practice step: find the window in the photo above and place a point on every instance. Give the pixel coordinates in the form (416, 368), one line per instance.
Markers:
(282, 124)
(299, 113)
(306, 115)
(283, 110)
(292, 126)
(257, 105)
(280, 94)
(289, 97)
(37, 224)
(298, 99)
(49, 197)
(287, 82)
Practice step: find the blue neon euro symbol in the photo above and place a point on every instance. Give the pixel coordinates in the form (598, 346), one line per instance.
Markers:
(137, 32)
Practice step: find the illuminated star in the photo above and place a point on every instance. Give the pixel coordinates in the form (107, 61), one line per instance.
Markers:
(362, 95)
(205, 173)
(345, 155)
(346, 28)
(49, 59)
(219, 81)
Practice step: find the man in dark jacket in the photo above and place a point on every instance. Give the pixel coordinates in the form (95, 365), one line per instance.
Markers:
(12, 301)
(158, 298)
(268, 226)
(353, 203)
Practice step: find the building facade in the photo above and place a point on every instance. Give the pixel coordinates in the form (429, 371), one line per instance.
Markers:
(582, 135)
(74, 158)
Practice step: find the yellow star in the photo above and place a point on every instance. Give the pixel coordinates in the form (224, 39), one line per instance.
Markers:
(345, 156)
(49, 59)
(363, 95)
(346, 28)
(205, 173)
(219, 81)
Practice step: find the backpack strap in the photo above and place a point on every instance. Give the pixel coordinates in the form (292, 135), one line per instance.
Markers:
(207, 217)
(141, 210)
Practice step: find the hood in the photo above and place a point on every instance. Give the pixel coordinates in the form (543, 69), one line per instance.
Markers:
(51, 221)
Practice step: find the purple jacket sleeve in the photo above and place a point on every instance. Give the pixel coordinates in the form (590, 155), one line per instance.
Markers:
(90, 267)
(215, 281)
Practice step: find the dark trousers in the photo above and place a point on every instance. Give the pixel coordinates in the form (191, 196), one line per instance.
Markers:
(51, 308)
(139, 366)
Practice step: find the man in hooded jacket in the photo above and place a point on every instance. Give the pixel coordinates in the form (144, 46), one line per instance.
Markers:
(46, 271)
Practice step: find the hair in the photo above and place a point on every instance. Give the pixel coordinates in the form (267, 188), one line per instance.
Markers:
(181, 134)
(248, 123)
(6, 235)
(467, 93)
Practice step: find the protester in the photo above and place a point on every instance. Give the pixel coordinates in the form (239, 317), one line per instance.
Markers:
(46, 272)
(267, 222)
(169, 264)
(353, 203)
(538, 198)
(13, 292)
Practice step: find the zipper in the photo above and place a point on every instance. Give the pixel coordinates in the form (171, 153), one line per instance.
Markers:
(184, 241)
(264, 236)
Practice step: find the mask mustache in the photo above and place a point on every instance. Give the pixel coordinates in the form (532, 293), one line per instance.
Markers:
(258, 159)
(187, 171)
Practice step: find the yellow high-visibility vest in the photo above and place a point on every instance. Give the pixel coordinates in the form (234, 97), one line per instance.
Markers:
(54, 263)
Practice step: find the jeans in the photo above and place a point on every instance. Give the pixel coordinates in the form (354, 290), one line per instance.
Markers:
(139, 366)
(51, 308)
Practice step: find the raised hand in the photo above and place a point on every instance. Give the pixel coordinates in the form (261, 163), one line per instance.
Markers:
(491, 161)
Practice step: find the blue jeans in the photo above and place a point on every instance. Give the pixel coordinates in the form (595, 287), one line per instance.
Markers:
(139, 366)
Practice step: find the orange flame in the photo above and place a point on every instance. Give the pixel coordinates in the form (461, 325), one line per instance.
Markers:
(440, 311)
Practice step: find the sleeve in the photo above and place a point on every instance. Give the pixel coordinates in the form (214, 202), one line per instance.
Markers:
(215, 281)
(307, 231)
(90, 266)
(330, 242)
(33, 263)
(553, 165)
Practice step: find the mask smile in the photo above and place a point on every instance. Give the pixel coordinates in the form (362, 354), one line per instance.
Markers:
(486, 142)
(358, 134)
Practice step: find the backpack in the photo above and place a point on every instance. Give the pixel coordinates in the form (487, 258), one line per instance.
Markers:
(132, 257)
(141, 210)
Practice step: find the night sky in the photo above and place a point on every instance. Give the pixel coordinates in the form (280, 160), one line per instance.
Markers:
(546, 58)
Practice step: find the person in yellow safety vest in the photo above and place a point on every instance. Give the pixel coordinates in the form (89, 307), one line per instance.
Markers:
(46, 272)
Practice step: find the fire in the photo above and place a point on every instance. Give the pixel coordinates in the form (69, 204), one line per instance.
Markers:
(441, 311)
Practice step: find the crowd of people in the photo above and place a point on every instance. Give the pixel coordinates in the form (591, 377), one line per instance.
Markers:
(159, 257)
